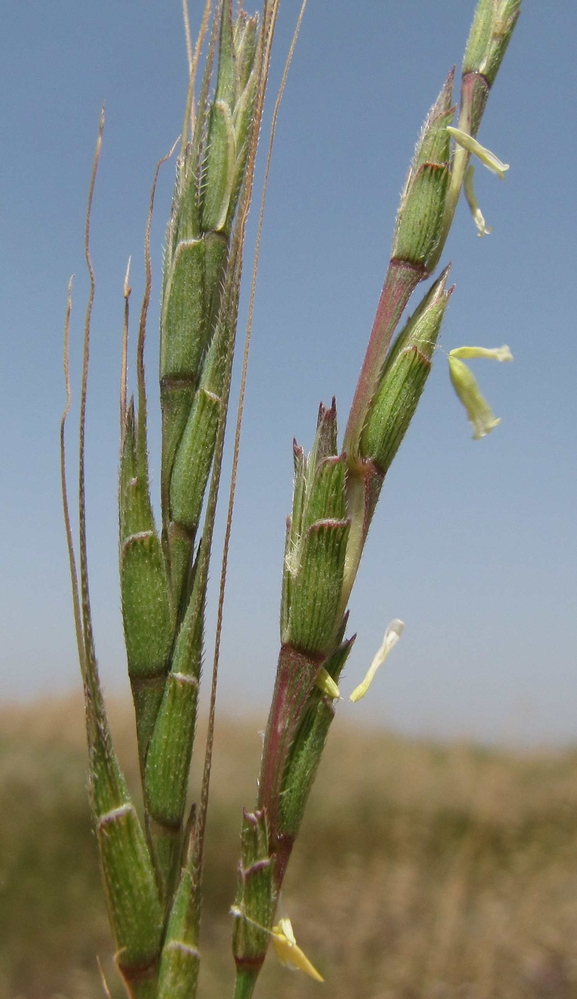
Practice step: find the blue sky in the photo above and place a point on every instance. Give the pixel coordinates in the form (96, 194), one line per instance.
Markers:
(473, 545)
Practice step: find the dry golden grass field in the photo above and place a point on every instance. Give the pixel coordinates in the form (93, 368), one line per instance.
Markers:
(422, 870)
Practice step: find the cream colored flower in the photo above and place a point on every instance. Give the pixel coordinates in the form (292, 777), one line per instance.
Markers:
(325, 682)
(288, 951)
(480, 414)
(392, 635)
(492, 162)
(479, 219)
(284, 942)
(496, 353)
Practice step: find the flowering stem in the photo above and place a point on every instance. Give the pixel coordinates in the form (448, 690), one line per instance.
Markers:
(474, 94)
(364, 483)
(246, 979)
(401, 280)
(295, 677)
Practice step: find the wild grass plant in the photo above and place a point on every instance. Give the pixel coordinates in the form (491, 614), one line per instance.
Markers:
(153, 870)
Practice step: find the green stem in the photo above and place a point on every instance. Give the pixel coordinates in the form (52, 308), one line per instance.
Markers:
(474, 94)
(143, 988)
(357, 535)
(401, 280)
(245, 982)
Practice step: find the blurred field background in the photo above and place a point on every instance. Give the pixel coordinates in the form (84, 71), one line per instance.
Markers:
(422, 870)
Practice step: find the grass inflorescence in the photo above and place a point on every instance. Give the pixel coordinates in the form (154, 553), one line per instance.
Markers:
(152, 859)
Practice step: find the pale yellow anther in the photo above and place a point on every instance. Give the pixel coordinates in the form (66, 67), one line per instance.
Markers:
(392, 635)
(480, 414)
(492, 162)
(325, 682)
(496, 353)
(284, 942)
(479, 219)
(288, 951)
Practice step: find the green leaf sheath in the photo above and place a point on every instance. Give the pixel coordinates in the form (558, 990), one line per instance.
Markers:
(170, 750)
(316, 589)
(167, 768)
(318, 479)
(422, 206)
(403, 379)
(312, 628)
(146, 610)
(295, 678)
(334, 496)
(421, 216)
(416, 246)
(297, 727)
(191, 468)
(198, 321)
(304, 759)
(488, 40)
(255, 900)
(489, 37)
(183, 342)
(129, 880)
(166, 797)
(316, 544)
(220, 165)
(128, 875)
(209, 181)
(425, 215)
(292, 536)
(394, 403)
(180, 961)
